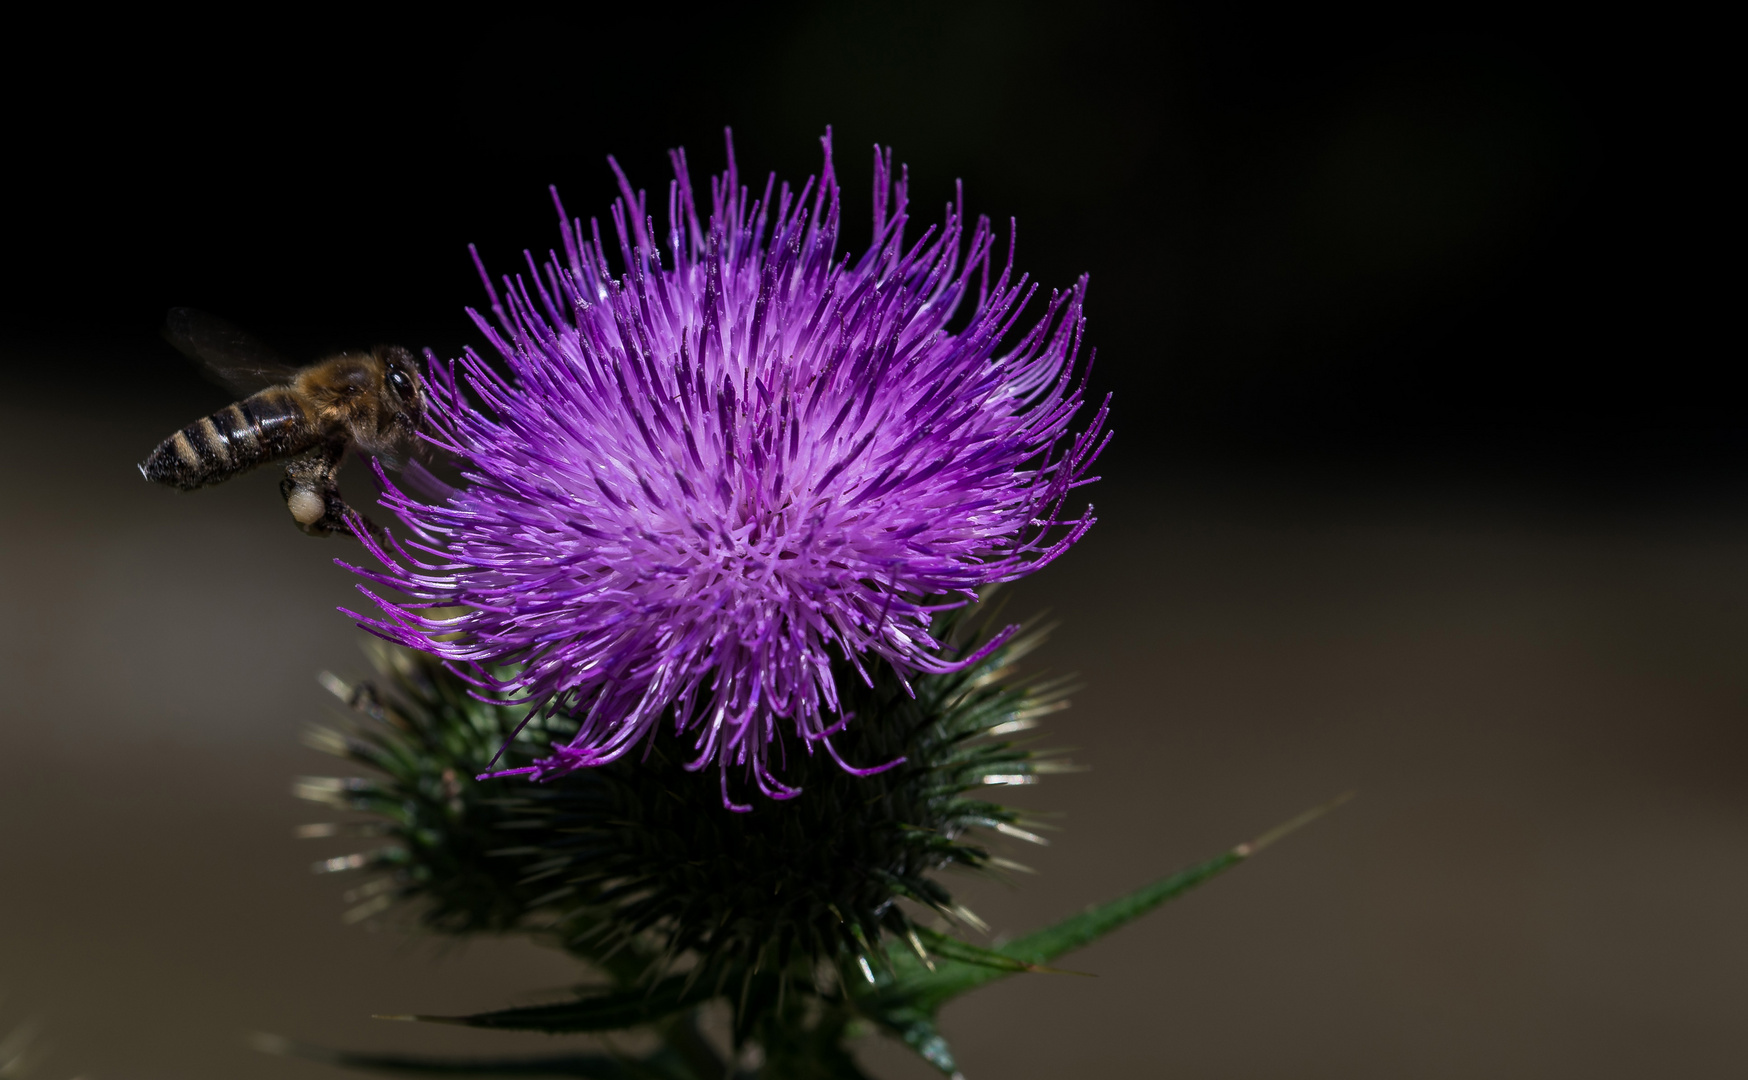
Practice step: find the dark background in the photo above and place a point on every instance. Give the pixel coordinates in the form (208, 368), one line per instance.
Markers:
(1427, 482)
(1441, 232)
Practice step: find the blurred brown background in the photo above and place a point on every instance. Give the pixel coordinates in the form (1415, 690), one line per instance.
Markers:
(1422, 487)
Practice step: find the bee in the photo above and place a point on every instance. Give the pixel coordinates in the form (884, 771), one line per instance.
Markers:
(308, 418)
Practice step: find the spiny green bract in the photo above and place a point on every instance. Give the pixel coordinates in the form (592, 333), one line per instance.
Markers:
(637, 866)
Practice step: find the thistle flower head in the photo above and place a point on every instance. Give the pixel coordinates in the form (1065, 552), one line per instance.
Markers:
(742, 457)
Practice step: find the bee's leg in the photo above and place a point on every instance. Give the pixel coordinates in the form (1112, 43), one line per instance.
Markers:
(312, 493)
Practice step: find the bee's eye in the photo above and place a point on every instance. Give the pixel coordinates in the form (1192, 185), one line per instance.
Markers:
(398, 379)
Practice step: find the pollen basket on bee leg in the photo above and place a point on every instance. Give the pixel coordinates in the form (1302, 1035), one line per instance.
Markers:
(306, 506)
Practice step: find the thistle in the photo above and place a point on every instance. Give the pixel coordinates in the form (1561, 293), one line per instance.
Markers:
(742, 477)
(721, 527)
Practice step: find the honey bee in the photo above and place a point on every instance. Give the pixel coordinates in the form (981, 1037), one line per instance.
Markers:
(306, 417)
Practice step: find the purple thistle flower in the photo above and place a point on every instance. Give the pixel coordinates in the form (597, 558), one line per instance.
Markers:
(742, 457)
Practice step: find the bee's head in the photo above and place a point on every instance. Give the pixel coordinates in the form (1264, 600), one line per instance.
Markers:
(401, 386)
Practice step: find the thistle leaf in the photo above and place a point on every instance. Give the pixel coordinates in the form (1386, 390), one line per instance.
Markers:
(964, 967)
(585, 1066)
(954, 949)
(610, 1011)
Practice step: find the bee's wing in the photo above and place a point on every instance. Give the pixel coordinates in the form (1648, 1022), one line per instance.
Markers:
(228, 355)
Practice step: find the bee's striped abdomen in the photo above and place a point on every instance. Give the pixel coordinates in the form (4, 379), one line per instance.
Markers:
(237, 438)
